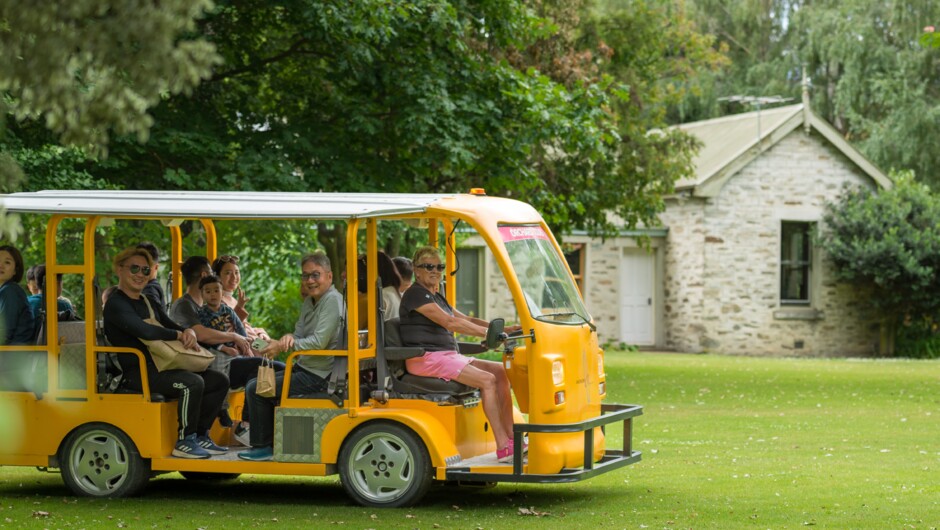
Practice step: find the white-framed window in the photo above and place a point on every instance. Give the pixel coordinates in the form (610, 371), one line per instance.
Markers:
(796, 259)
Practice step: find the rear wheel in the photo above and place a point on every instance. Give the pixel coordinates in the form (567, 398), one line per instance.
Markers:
(385, 464)
(99, 460)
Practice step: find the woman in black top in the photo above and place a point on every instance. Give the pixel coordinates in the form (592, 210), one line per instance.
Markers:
(428, 321)
(16, 319)
(200, 394)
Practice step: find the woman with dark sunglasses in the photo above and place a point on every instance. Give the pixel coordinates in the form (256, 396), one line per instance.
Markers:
(429, 322)
(226, 268)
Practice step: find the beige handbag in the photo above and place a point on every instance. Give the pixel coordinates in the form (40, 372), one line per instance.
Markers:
(267, 384)
(171, 354)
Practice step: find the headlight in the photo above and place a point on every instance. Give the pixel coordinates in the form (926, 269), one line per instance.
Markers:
(600, 366)
(558, 373)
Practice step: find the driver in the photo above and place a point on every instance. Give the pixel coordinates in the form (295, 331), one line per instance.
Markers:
(429, 322)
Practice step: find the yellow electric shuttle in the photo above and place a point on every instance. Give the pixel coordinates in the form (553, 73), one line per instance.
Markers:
(388, 439)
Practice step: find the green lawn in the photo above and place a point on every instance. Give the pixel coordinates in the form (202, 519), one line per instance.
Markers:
(728, 442)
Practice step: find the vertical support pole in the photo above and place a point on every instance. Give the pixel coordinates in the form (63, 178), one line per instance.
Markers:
(589, 448)
(628, 436)
(211, 239)
(176, 259)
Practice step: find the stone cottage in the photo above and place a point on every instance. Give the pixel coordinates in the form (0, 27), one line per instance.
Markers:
(733, 268)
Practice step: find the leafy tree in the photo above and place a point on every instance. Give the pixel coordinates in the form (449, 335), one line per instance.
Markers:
(871, 79)
(421, 96)
(889, 243)
(86, 67)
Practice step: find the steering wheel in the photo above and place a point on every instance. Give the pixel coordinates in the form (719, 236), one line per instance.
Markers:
(494, 333)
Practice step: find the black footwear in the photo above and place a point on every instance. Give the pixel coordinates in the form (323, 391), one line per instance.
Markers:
(224, 419)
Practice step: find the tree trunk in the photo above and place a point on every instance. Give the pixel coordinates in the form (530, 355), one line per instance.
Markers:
(888, 331)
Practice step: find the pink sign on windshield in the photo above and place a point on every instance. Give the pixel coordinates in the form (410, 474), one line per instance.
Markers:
(519, 233)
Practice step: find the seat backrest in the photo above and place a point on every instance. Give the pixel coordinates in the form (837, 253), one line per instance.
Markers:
(393, 350)
(392, 332)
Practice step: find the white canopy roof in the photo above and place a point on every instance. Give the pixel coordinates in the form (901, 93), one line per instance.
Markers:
(219, 205)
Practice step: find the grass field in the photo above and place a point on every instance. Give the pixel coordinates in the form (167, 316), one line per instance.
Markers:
(728, 442)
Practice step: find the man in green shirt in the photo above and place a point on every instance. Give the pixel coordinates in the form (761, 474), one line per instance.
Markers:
(318, 328)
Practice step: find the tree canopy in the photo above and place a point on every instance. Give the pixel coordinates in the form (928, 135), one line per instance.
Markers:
(417, 96)
(549, 101)
(871, 77)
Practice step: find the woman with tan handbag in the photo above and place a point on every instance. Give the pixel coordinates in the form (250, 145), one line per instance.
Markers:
(200, 394)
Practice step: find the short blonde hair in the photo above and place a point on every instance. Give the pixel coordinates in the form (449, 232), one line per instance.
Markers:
(127, 254)
(426, 251)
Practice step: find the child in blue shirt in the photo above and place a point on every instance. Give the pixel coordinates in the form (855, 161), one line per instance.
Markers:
(218, 316)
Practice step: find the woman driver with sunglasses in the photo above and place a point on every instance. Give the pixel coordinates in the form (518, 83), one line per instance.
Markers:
(429, 322)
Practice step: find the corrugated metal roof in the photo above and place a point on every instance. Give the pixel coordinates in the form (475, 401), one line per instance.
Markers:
(219, 205)
(725, 139)
(731, 142)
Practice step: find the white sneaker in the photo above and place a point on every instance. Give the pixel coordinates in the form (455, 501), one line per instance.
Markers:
(241, 434)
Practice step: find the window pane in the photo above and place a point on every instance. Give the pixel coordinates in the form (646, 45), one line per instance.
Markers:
(795, 261)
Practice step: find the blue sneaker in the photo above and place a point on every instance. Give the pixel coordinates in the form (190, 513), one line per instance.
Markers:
(258, 454)
(206, 443)
(189, 448)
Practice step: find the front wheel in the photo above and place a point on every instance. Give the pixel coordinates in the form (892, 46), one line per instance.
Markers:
(385, 465)
(99, 460)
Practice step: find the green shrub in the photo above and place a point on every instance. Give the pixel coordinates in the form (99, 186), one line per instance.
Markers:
(919, 340)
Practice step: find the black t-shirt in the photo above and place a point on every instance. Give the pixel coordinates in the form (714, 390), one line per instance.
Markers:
(419, 330)
(155, 292)
(124, 326)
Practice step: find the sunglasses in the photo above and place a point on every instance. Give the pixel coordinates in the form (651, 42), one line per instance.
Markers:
(315, 276)
(228, 259)
(137, 269)
(430, 267)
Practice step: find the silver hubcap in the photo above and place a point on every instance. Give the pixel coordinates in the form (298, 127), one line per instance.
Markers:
(98, 462)
(381, 467)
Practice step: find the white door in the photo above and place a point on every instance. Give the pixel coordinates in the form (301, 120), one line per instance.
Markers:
(636, 298)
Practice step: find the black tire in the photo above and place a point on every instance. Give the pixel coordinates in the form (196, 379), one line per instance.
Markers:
(99, 460)
(384, 465)
(214, 477)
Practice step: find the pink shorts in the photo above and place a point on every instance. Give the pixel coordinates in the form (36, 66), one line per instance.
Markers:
(446, 365)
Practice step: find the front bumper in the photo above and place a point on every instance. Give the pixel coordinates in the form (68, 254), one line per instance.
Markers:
(611, 460)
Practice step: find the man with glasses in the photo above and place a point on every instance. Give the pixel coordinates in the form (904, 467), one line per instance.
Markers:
(318, 328)
(200, 395)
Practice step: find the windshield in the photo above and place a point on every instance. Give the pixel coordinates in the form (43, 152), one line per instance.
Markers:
(549, 291)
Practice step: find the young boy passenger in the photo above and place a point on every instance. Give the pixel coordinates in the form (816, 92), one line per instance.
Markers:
(216, 315)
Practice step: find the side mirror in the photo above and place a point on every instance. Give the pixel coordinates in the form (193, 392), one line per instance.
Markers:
(493, 333)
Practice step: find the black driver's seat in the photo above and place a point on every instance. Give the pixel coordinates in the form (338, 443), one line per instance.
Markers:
(400, 383)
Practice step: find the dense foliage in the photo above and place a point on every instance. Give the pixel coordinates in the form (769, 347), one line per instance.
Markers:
(889, 244)
(871, 77)
(550, 101)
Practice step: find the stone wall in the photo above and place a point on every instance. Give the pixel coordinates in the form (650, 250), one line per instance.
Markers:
(723, 261)
(683, 312)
